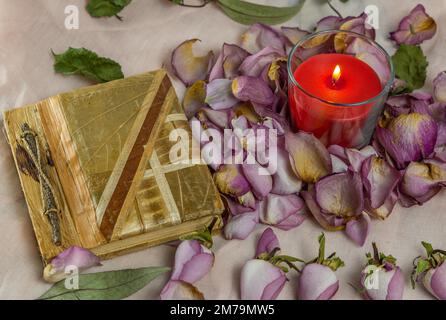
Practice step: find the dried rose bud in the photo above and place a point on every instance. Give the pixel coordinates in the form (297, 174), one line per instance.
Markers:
(382, 279)
(431, 270)
(318, 280)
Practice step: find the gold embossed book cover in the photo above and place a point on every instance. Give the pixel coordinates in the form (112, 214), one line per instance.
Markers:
(95, 168)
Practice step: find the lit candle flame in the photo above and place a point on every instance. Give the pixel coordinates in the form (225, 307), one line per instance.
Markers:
(336, 74)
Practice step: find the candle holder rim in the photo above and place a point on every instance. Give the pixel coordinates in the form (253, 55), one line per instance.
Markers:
(385, 88)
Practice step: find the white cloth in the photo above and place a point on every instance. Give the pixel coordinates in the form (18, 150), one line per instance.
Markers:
(142, 42)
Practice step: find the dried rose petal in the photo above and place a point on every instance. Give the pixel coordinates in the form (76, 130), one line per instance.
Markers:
(385, 210)
(187, 67)
(284, 180)
(194, 98)
(180, 290)
(317, 282)
(267, 243)
(371, 55)
(228, 62)
(248, 200)
(219, 94)
(72, 257)
(252, 89)
(283, 212)
(310, 159)
(259, 178)
(440, 87)
(353, 24)
(230, 180)
(380, 180)
(358, 229)
(260, 36)
(236, 208)
(294, 35)
(260, 280)
(241, 225)
(322, 218)
(408, 137)
(340, 194)
(415, 28)
(256, 63)
(421, 181)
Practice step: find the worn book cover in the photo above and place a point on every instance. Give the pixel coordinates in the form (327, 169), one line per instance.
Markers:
(95, 168)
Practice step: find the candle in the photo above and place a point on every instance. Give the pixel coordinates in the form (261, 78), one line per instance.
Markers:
(329, 84)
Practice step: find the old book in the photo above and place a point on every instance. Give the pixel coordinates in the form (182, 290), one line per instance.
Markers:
(95, 168)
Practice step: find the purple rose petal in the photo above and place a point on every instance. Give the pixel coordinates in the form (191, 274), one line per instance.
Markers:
(252, 89)
(230, 180)
(219, 94)
(408, 137)
(415, 28)
(260, 36)
(440, 87)
(254, 64)
(187, 67)
(340, 194)
(322, 218)
(228, 62)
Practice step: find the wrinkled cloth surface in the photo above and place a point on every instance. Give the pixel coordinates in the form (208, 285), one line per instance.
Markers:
(143, 41)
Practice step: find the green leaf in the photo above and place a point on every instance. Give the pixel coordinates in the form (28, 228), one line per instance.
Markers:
(422, 266)
(428, 247)
(249, 13)
(87, 63)
(110, 285)
(106, 8)
(410, 65)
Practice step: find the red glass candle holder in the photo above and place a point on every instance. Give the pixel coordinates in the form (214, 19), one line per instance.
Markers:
(337, 89)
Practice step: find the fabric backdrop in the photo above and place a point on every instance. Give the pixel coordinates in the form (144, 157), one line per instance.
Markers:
(141, 42)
